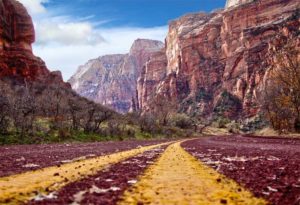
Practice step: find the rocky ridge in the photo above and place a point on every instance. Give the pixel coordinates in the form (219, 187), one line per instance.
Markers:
(111, 79)
(17, 61)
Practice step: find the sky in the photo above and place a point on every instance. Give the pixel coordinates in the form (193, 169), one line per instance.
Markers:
(71, 32)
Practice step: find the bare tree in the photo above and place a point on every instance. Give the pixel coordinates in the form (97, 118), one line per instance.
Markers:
(162, 107)
(75, 110)
(23, 109)
(148, 123)
(4, 114)
(95, 116)
(55, 105)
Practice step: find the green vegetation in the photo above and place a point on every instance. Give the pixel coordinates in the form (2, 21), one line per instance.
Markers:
(227, 104)
(221, 122)
(203, 95)
(53, 137)
(64, 136)
(114, 129)
(33, 113)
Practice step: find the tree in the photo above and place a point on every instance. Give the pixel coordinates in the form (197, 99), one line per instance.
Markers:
(147, 123)
(95, 116)
(23, 110)
(282, 88)
(75, 111)
(4, 114)
(162, 108)
(55, 105)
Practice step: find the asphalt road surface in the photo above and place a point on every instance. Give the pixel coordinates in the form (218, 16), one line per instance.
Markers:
(206, 170)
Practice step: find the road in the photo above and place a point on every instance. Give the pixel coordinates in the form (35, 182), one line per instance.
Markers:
(206, 170)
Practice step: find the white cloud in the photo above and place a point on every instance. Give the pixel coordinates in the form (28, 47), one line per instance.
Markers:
(66, 33)
(34, 6)
(67, 58)
(65, 42)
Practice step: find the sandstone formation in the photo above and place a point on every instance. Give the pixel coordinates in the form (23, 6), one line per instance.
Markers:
(216, 63)
(17, 61)
(150, 78)
(212, 63)
(111, 80)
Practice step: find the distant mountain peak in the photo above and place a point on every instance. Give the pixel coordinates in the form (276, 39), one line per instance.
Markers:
(146, 44)
(111, 79)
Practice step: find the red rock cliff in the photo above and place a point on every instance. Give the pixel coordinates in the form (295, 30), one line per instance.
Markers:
(16, 37)
(111, 79)
(219, 58)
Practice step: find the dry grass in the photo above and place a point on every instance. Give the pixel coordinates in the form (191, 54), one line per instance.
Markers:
(270, 132)
(267, 132)
(216, 131)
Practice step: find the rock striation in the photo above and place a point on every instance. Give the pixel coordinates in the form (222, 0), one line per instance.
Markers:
(211, 64)
(216, 62)
(112, 79)
(17, 34)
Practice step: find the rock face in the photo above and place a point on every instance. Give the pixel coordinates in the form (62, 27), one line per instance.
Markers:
(16, 36)
(152, 74)
(216, 63)
(112, 80)
(212, 63)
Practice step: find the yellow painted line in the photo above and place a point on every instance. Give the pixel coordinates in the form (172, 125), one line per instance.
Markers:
(179, 178)
(22, 187)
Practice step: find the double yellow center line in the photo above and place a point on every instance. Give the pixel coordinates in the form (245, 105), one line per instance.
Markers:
(179, 178)
(175, 178)
(22, 187)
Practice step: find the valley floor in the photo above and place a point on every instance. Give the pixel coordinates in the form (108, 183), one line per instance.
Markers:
(207, 170)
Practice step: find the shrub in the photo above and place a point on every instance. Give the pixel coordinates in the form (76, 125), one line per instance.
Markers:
(221, 122)
(202, 94)
(181, 121)
(233, 127)
(148, 123)
(250, 125)
(228, 105)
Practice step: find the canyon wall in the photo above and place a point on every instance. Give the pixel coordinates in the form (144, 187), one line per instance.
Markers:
(216, 63)
(212, 63)
(17, 34)
(112, 79)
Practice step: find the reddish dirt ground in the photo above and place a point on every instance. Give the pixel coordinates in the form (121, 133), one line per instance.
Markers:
(19, 158)
(269, 167)
(104, 188)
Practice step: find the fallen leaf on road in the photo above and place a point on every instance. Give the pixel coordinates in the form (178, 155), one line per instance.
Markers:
(30, 165)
